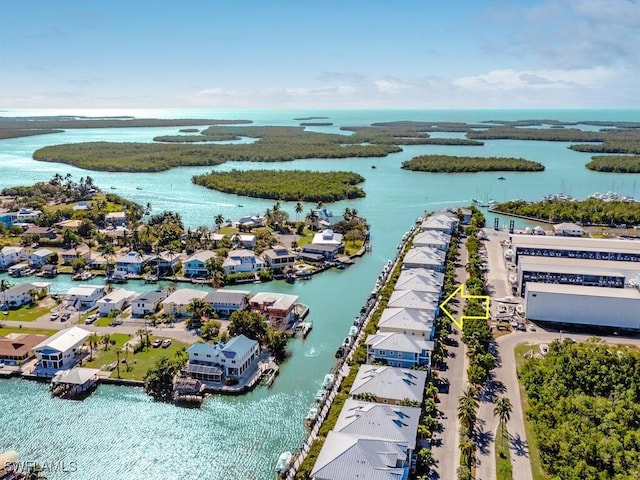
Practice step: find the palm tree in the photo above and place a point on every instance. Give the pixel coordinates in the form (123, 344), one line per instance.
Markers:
(299, 208)
(347, 214)
(503, 410)
(118, 352)
(4, 285)
(218, 220)
(312, 218)
(106, 338)
(467, 407)
(94, 340)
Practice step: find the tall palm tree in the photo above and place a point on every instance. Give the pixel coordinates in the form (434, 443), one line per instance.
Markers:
(299, 208)
(4, 285)
(94, 340)
(118, 352)
(218, 220)
(503, 410)
(467, 407)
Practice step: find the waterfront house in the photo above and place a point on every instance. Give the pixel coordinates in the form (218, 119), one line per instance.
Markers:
(39, 257)
(345, 456)
(326, 245)
(177, 303)
(432, 239)
(166, 263)
(279, 257)
(16, 348)
(62, 350)
(196, 264)
(420, 280)
(464, 212)
(377, 420)
(242, 260)
(225, 302)
(389, 385)
(71, 254)
(19, 270)
(130, 263)
(244, 239)
(424, 257)
(443, 222)
(250, 221)
(115, 219)
(11, 255)
(19, 295)
(278, 308)
(568, 230)
(147, 303)
(84, 297)
(215, 362)
(49, 271)
(409, 321)
(399, 350)
(327, 237)
(425, 301)
(118, 299)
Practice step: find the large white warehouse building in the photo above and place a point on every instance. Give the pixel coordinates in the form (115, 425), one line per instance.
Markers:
(584, 305)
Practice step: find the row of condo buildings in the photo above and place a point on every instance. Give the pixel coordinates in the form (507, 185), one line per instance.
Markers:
(378, 438)
(578, 280)
(325, 246)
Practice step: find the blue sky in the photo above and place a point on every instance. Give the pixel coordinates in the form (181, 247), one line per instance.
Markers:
(320, 54)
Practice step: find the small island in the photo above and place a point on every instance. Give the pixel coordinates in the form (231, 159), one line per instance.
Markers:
(615, 164)
(288, 185)
(304, 119)
(189, 130)
(592, 211)
(316, 124)
(453, 164)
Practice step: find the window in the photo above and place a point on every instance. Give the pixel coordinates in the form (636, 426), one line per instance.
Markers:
(399, 354)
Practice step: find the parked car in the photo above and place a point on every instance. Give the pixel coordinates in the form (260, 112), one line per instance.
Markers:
(166, 343)
(115, 322)
(65, 317)
(54, 316)
(156, 343)
(90, 319)
(532, 327)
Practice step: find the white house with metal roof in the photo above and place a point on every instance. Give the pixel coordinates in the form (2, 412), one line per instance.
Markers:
(432, 239)
(147, 303)
(118, 299)
(377, 420)
(178, 301)
(242, 260)
(131, 262)
(409, 321)
(389, 385)
(420, 280)
(426, 301)
(11, 255)
(61, 351)
(84, 297)
(424, 257)
(215, 362)
(39, 257)
(345, 456)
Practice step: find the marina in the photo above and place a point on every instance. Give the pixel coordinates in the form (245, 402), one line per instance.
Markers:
(268, 421)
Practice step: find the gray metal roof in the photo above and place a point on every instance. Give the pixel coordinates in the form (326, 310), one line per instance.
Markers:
(346, 456)
(377, 420)
(390, 382)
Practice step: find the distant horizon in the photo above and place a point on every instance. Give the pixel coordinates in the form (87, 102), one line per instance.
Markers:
(326, 55)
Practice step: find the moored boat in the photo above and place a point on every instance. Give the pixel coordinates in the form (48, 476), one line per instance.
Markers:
(283, 462)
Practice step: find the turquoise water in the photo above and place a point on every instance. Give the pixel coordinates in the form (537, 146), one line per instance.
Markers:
(119, 433)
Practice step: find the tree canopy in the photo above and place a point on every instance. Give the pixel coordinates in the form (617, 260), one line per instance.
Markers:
(450, 164)
(288, 185)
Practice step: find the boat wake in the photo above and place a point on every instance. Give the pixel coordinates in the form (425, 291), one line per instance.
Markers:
(312, 352)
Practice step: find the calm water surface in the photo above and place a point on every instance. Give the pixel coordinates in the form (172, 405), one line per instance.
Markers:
(120, 433)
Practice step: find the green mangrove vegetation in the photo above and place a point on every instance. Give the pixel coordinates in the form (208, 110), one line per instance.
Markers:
(196, 138)
(584, 407)
(591, 211)
(274, 144)
(287, 185)
(452, 164)
(616, 164)
(610, 146)
(23, 132)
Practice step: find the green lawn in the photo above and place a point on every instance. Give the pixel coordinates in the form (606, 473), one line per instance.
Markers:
(39, 331)
(136, 365)
(26, 313)
(352, 247)
(504, 469)
(103, 321)
(534, 452)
